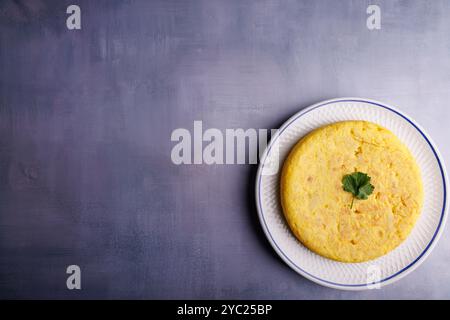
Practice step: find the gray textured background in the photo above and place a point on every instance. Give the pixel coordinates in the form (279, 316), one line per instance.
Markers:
(86, 117)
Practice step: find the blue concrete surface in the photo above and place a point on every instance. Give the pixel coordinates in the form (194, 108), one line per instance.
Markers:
(86, 116)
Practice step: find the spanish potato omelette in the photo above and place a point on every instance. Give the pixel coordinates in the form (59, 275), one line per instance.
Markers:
(317, 208)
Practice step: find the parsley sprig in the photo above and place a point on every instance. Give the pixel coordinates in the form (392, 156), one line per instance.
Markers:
(358, 184)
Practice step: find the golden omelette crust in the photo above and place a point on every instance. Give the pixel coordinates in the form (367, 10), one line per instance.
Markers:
(317, 209)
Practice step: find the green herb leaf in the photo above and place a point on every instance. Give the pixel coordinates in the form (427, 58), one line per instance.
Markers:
(358, 184)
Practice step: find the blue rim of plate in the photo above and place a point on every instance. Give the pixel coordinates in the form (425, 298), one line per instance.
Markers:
(285, 256)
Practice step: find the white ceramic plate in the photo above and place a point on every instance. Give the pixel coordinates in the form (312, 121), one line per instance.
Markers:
(353, 276)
